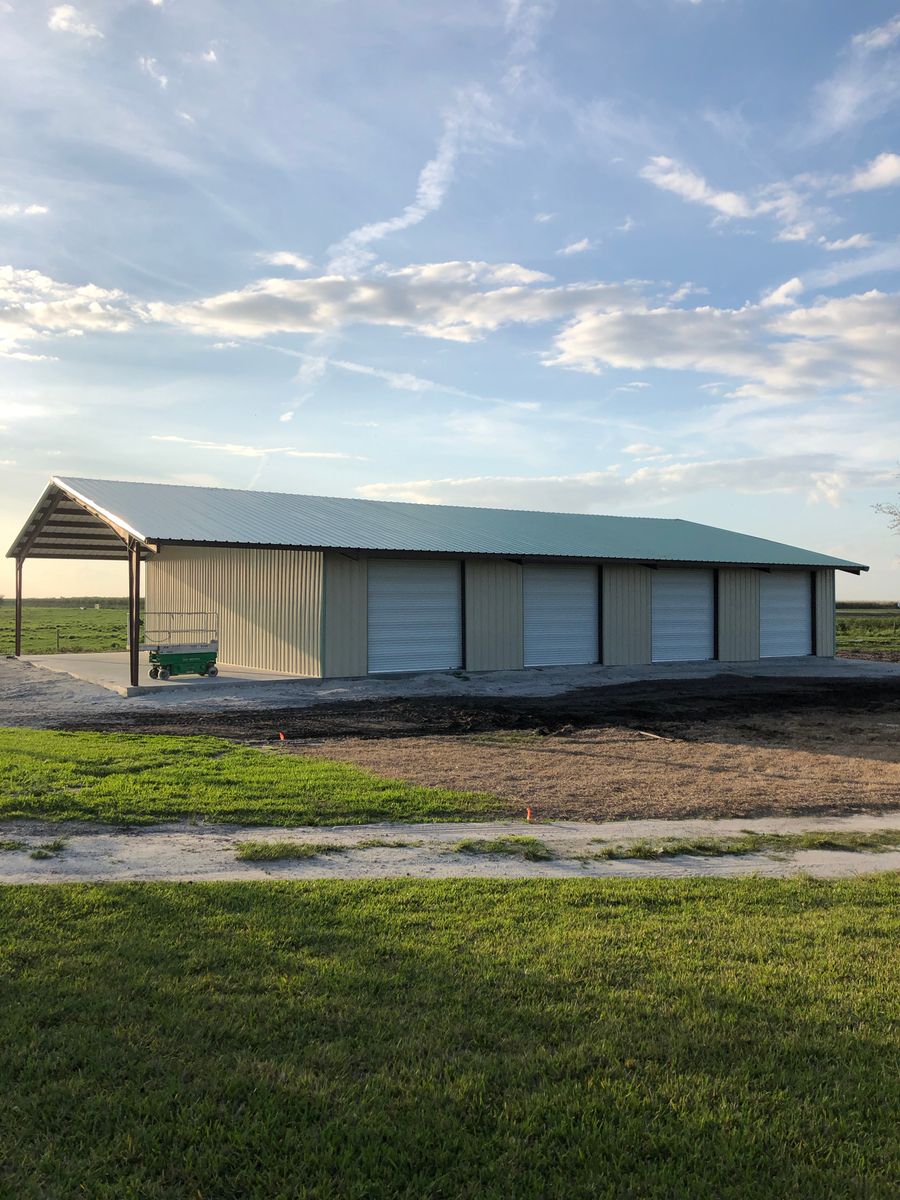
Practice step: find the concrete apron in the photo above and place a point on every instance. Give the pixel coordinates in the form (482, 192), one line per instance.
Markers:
(198, 852)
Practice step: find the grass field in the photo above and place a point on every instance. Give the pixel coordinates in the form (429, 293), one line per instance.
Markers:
(138, 779)
(868, 633)
(46, 628)
(417, 1041)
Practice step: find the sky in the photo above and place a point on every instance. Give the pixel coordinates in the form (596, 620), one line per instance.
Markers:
(585, 256)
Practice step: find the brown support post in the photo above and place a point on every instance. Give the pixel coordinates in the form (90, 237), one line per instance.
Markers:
(19, 562)
(134, 609)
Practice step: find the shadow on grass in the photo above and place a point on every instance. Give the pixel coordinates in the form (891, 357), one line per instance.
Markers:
(452, 1039)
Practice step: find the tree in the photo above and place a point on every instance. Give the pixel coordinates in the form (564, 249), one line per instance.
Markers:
(893, 512)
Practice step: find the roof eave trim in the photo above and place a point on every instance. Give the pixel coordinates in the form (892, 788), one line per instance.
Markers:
(323, 547)
(114, 518)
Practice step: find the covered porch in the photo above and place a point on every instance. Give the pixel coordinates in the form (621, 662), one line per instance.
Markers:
(66, 526)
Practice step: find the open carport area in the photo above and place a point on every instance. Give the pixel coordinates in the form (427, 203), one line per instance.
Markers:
(112, 670)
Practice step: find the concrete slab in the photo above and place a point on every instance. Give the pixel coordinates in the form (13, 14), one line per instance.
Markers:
(111, 670)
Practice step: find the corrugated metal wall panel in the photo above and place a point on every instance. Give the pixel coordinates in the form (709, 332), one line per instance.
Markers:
(825, 641)
(415, 615)
(682, 615)
(494, 635)
(561, 619)
(269, 602)
(738, 614)
(626, 615)
(346, 607)
(785, 614)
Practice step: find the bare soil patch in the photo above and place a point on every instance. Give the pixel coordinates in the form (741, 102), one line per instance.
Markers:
(724, 746)
(617, 773)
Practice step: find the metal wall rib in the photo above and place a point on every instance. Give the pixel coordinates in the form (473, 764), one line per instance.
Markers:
(346, 650)
(626, 615)
(494, 630)
(738, 614)
(825, 614)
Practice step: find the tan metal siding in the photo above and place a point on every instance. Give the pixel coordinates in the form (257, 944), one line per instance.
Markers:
(824, 584)
(738, 614)
(494, 635)
(346, 632)
(626, 615)
(269, 602)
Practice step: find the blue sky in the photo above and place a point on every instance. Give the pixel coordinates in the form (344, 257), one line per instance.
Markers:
(630, 258)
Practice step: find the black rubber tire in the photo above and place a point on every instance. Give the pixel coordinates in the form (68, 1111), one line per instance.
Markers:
(154, 672)
(212, 670)
(164, 672)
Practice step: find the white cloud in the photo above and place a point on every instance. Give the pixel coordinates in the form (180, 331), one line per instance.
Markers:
(800, 232)
(782, 201)
(34, 306)
(785, 293)
(209, 56)
(672, 176)
(152, 68)
(687, 289)
(286, 258)
(576, 247)
(880, 37)
(815, 476)
(458, 301)
(851, 342)
(856, 241)
(23, 210)
(287, 416)
(543, 217)
(243, 451)
(627, 225)
(883, 171)
(865, 85)
(470, 123)
(641, 448)
(66, 18)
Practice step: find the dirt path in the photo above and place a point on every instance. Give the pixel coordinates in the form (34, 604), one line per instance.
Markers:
(208, 852)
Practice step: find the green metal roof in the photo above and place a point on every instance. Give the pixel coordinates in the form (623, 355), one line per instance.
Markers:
(155, 512)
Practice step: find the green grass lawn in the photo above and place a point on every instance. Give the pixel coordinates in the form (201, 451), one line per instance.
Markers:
(874, 631)
(411, 1040)
(139, 779)
(79, 629)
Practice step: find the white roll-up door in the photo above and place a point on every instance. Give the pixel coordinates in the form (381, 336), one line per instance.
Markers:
(415, 615)
(561, 614)
(785, 614)
(683, 616)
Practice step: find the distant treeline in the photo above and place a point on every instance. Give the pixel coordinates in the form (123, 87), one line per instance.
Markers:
(73, 602)
(863, 606)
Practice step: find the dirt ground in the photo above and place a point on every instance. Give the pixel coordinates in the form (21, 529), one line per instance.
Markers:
(723, 747)
(615, 773)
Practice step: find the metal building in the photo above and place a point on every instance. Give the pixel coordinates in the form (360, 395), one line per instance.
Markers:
(328, 587)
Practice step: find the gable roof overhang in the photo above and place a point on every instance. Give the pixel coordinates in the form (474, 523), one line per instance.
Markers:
(66, 524)
(99, 519)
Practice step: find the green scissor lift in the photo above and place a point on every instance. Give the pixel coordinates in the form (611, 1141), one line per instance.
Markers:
(181, 643)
